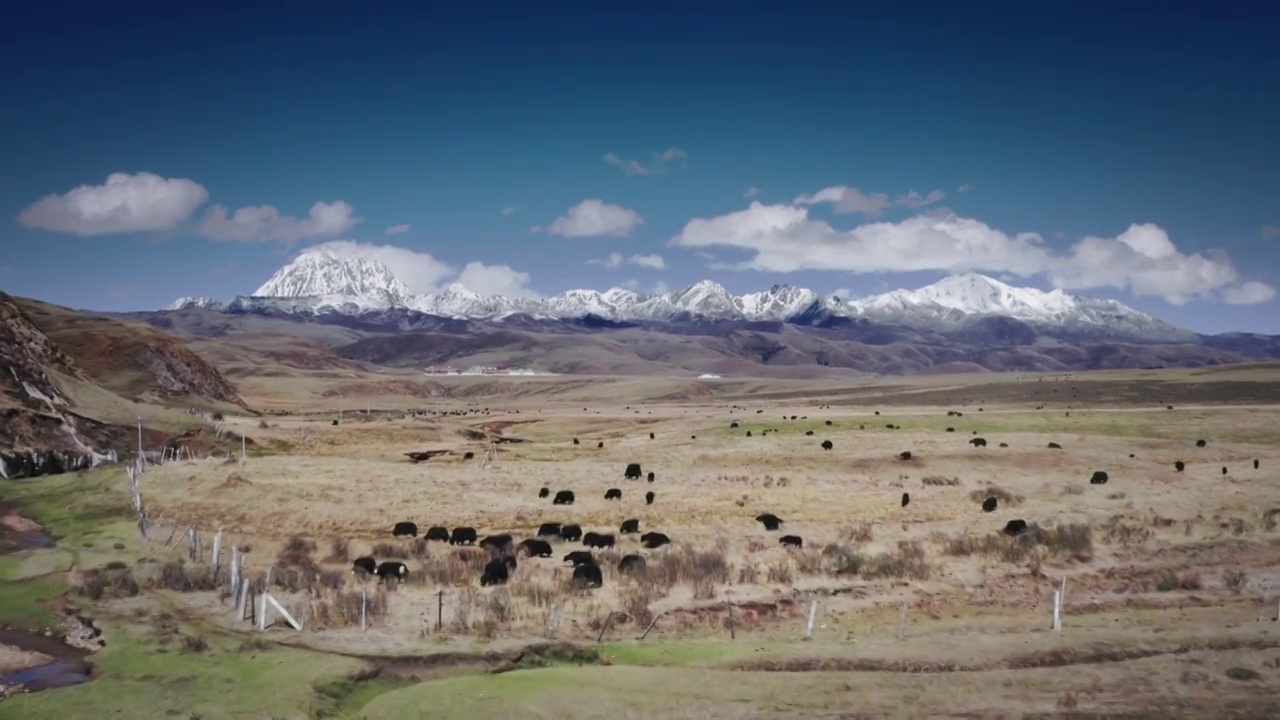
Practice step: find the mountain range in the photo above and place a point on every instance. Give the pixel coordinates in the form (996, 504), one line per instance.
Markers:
(963, 323)
(322, 282)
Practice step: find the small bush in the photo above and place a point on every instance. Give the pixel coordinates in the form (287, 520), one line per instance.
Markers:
(339, 550)
(176, 575)
(1168, 581)
(1235, 580)
(1073, 541)
(939, 481)
(862, 532)
(194, 644)
(390, 551)
(1117, 532)
(342, 609)
(113, 581)
(1004, 497)
(700, 569)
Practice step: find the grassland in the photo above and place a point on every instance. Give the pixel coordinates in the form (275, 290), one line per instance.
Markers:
(1171, 575)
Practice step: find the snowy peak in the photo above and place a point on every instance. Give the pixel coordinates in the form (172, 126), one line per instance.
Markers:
(323, 272)
(972, 293)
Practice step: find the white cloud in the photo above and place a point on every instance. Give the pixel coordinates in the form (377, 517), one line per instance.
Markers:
(594, 218)
(1249, 293)
(264, 223)
(660, 288)
(751, 192)
(657, 164)
(495, 280)
(422, 273)
(964, 188)
(125, 203)
(846, 200)
(397, 229)
(508, 210)
(1141, 260)
(615, 260)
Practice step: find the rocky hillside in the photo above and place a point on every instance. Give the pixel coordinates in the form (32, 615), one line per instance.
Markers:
(131, 359)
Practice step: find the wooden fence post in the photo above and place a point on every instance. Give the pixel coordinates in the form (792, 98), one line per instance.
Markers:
(813, 615)
(439, 610)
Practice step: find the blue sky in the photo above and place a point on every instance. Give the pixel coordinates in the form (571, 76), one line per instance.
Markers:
(1070, 126)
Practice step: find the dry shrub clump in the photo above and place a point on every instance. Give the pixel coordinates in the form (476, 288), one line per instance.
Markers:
(1235, 580)
(339, 550)
(176, 575)
(456, 568)
(862, 532)
(1168, 581)
(1118, 532)
(700, 569)
(939, 481)
(908, 561)
(390, 551)
(1004, 497)
(1073, 541)
(342, 608)
(115, 580)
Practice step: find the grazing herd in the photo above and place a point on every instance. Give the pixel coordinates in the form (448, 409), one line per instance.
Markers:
(503, 549)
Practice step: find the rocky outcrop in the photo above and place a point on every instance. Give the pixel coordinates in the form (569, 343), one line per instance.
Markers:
(26, 355)
(175, 372)
(35, 443)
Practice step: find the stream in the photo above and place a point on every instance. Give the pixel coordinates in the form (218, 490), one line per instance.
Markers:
(69, 666)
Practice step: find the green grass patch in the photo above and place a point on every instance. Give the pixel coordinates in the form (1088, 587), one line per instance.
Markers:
(23, 602)
(675, 654)
(140, 679)
(78, 509)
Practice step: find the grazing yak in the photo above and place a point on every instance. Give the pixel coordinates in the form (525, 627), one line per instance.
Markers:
(532, 547)
(630, 526)
(1015, 527)
(496, 543)
(580, 557)
(496, 572)
(769, 520)
(906, 499)
(438, 533)
(989, 505)
(1054, 446)
(575, 441)
(791, 541)
(632, 564)
(404, 529)
(904, 455)
(651, 540)
(1200, 443)
(364, 565)
(563, 497)
(1179, 465)
(648, 498)
(613, 494)
(650, 436)
(588, 576)
(570, 532)
(549, 529)
(1099, 478)
(978, 442)
(463, 536)
(650, 476)
(391, 570)
(826, 445)
(598, 540)
(632, 472)
(544, 492)
(1255, 464)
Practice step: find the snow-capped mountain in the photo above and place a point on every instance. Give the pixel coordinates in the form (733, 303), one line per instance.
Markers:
(322, 282)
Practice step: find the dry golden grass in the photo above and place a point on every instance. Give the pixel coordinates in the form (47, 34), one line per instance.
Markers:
(1153, 558)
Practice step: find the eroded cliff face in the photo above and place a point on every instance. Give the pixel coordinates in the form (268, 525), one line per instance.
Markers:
(25, 353)
(40, 434)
